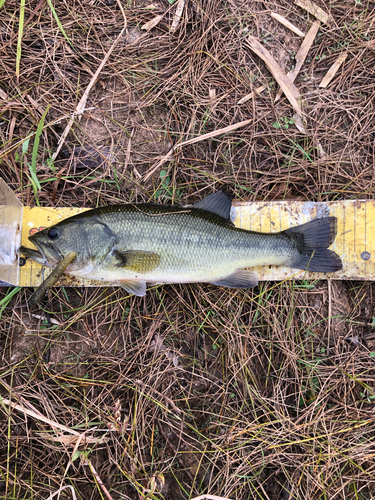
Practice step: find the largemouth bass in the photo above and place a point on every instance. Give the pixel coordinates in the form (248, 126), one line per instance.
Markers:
(143, 243)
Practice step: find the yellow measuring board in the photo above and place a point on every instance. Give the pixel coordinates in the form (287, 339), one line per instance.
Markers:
(354, 243)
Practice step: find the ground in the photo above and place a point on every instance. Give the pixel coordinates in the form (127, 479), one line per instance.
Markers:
(194, 389)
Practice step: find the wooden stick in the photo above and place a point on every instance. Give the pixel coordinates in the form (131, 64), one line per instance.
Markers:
(287, 24)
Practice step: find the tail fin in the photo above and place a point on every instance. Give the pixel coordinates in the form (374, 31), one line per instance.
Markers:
(313, 239)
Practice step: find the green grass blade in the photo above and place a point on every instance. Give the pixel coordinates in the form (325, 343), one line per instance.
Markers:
(19, 41)
(36, 147)
(8, 297)
(2, 2)
(33, 173)
(50, 4)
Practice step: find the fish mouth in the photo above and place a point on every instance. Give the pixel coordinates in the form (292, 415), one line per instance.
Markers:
(33, 255)
(47, 254)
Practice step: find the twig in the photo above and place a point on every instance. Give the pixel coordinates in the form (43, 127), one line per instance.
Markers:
(38, 7)
(70, 462)
(62, 489)
(210, 497)
(97, 477)
(287, 24)
(258, 91)
(192, 141)
(38, 416)
(51, 279)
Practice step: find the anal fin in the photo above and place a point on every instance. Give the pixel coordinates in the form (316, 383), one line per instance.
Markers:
(239, 279)
(136, 287)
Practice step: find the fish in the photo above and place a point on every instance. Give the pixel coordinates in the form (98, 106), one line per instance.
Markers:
(135, 244)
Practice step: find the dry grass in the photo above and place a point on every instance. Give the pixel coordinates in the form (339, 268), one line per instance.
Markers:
(192, 390)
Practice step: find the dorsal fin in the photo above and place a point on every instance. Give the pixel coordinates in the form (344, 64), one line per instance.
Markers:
(219, 203)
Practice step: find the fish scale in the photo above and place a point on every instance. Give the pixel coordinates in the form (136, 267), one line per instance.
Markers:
(191, 248)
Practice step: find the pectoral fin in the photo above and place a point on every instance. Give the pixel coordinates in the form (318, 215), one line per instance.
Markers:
(138, 288)
(239, 279)
(139, 261)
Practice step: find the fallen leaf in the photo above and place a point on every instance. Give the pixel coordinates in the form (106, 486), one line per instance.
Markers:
(301, 54)
(333, 70)
(258, 91)
(178, 14)
(151, 24)
(157, 344)
(314, 10)
(172, 356)
(69, 440)
(288, 87)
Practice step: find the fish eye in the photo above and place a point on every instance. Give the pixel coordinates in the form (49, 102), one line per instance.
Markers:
(53, 233)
